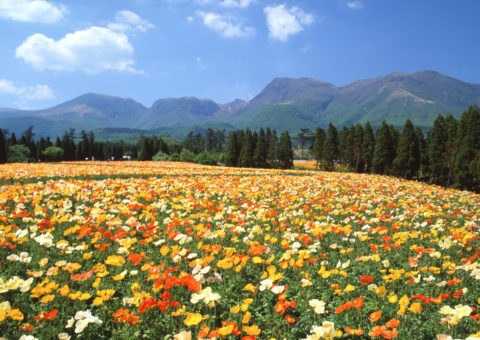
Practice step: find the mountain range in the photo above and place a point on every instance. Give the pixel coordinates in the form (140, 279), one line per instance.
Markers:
(284, 104)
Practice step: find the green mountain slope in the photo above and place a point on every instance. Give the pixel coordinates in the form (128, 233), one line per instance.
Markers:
(284, 104)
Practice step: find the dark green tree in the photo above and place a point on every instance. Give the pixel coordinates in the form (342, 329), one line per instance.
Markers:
(344, 145)
(246, 152)
(407, 159)
(318, 141)
(209, 139)
(437, 140)
(467, 158)
(272, 154)
(356, 137)
(13, 139)
(260, 153)
(68, 145)
(233, 149)
(330, 147)
(451, 126)
(422, 147)
(368, 147)
(384, 151)
(285, 151)
(219, 140)
(3, 147)
(27, 139)
(145, 152)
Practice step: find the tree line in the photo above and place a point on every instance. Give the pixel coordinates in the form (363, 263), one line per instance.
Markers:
(448, 155)
(68, 147)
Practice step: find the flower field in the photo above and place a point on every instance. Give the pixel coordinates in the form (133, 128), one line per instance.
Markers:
(173, 250)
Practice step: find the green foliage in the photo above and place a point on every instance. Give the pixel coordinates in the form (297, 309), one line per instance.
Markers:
(407, 159)
(260, 153)
(175, 157)
(304, 138)
(246, 153)
(318, 141)
(161, 157)
(205, 158)
(146, 149)
(18, 153)
(384, 151)
(272, 147)
(187, 155)
(233, 149)
(368, 147)
(3, 147)
(467, 160)
(53, 154)
(285, 152)
(437, 156)
(330, 146)
(356, 138)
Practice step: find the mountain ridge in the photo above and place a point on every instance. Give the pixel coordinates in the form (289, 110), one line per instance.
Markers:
(284, 104)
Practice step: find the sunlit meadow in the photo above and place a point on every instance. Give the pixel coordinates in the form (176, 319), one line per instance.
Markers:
(178, 251)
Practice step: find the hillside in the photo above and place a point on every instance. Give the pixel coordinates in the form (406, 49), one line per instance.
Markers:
(284, 104)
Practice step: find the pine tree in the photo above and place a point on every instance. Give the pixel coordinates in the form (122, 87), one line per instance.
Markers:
(467, 159)
(344, 145)
(146, 149)
(368, 146)
(272, 154)
(357, 142)
(12, 140)
(233, 150)
(451, 126)
(246, 152)
(422, 147)
(318, 141)
(437, 139)
(384, 152)
(219, 140)
(27, 140)
(330, 146)
(3, 147)
(407, 160)
(260, 154)
(285, 151)
(209, 139)
(68, 145)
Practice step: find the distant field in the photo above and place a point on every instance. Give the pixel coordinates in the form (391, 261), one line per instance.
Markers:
(175, 250)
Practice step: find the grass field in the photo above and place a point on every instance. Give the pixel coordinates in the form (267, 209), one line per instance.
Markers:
(132, 250)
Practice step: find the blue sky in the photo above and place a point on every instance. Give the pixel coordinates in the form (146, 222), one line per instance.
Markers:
(53, 51)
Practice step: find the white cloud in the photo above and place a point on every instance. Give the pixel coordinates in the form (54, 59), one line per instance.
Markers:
(37, 92)
(127, 21)
(223, 25)
(283, 22)
(31, 11)
(190, 18)
(226, 3)
(204, 2)
(355, 4)
(236, 3)
(91, 50)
